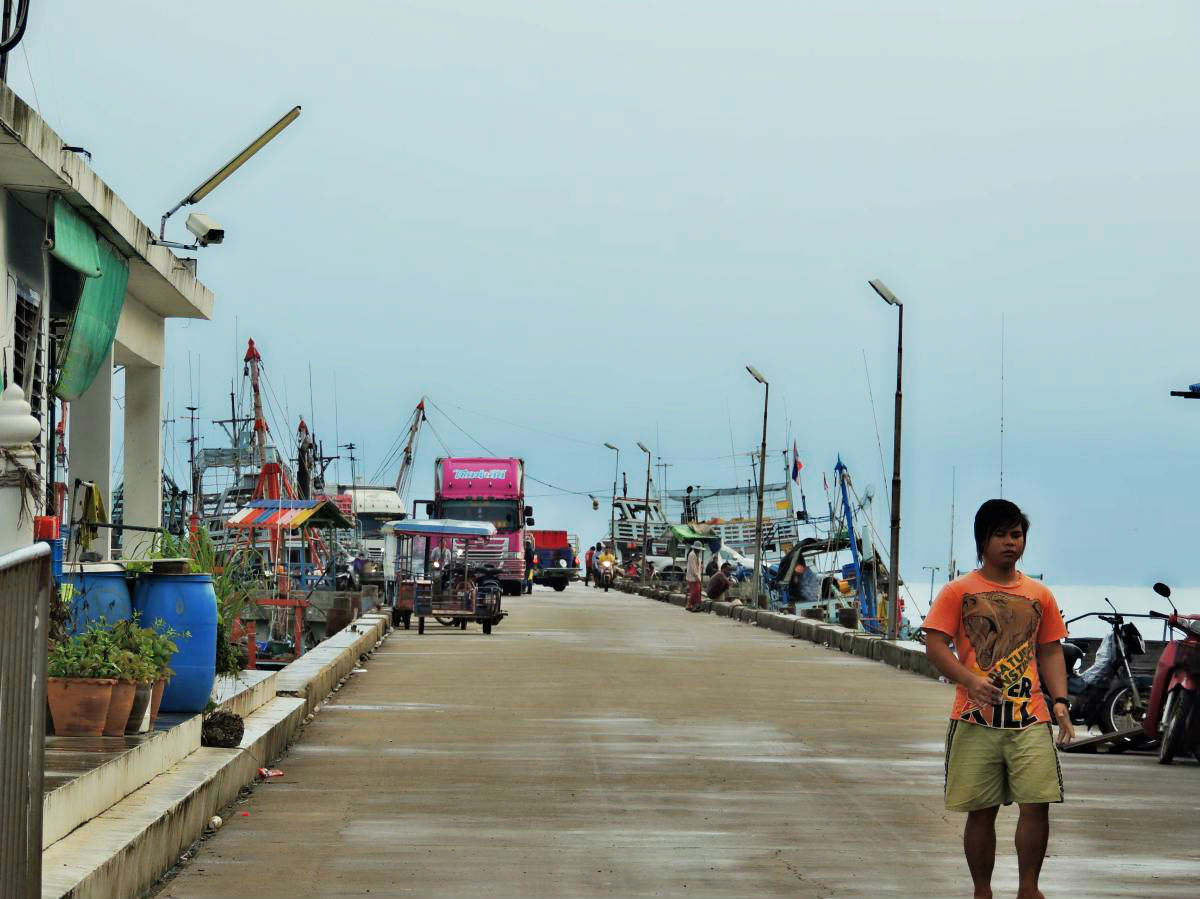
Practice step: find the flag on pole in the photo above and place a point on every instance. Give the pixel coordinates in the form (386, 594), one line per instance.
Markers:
(796, 463)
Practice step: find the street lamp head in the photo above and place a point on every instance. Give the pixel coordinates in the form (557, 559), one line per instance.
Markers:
(642, 447)
(886, 295)
(755, 373)
(611, 447)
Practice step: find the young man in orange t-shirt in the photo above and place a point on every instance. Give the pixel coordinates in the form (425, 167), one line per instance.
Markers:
(1000, 749)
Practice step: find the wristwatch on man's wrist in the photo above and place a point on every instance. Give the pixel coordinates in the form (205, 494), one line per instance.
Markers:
(1064, 701)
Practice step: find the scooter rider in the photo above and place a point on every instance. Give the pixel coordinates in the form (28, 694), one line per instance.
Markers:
(606, 555)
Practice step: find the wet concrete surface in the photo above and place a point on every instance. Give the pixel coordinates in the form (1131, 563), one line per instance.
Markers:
(599, 745)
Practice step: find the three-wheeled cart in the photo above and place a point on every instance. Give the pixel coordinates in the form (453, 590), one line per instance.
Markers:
(436, 579)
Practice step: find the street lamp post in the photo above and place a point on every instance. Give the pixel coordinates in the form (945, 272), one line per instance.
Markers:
(893, 622)
(762, 470)
(646, 520)
(612, 515)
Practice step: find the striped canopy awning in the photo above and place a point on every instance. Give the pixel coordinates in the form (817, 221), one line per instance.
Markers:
(289, 514)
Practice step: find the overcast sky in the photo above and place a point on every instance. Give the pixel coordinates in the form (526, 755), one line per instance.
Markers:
(583, 220)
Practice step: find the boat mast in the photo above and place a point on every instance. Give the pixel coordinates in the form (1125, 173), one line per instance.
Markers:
(860, 593)
(952, 571)
(253, 360)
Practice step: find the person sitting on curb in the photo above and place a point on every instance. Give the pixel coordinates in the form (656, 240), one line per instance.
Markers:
(719, 583)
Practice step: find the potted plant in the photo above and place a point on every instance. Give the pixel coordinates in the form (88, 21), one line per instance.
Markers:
(138, 674)
(159, 647)
(81, 672)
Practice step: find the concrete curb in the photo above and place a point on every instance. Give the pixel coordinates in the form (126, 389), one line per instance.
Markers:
(85, 797)
(832, 636)
(123, 850)
(314, 675)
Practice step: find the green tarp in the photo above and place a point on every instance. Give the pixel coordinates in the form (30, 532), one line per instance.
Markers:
(94, 324)
(75, 242)
(685, 534)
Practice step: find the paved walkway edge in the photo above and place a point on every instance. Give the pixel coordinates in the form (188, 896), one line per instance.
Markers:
(904, 656)
(124, 850)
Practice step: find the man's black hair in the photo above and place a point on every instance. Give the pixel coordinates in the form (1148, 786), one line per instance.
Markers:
(995, 515)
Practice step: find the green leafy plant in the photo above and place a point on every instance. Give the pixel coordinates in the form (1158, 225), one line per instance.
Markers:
(93, 653)
(233, 580)
(147, 650)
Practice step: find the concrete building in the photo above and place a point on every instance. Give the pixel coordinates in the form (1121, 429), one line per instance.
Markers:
(57, 220)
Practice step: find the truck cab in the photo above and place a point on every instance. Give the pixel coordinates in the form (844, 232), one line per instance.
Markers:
(480, 489)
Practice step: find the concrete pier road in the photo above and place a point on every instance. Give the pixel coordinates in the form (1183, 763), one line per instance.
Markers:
(607, 745)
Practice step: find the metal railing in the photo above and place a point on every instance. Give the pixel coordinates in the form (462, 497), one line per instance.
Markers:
(25, 585)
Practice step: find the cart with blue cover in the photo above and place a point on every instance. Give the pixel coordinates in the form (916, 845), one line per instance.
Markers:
(435, 577)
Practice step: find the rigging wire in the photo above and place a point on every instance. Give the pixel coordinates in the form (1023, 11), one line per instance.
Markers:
(449, 452)
(876, 541)
(878, 442)
(526, 427)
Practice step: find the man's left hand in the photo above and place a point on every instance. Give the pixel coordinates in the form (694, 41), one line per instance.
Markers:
(1066, 730)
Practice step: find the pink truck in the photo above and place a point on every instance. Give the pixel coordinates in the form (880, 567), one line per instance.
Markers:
(485, 489)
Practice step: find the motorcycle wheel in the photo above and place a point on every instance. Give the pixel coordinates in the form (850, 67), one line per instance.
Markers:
(1119, 713)
(446, 622)
(1177, 712)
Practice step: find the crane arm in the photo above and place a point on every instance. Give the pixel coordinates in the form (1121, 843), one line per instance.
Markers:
(406, 458)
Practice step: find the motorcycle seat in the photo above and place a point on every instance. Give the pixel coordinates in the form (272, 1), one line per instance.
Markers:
(1072, 655)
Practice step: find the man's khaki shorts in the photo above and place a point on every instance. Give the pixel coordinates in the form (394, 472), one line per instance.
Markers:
(991, 766)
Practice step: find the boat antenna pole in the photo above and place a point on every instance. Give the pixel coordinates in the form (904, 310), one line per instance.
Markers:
(195, 518)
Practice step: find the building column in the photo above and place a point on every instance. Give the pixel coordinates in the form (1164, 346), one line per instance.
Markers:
(143, 457)
(18, 483)
(91, 449)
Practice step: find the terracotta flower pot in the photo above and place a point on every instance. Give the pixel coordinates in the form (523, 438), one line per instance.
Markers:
(79, 705)
(139, 719)
(118, 709)
(156, 699)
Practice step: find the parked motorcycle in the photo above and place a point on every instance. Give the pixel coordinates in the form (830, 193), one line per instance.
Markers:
(1173, 713)
(606, 574)
(1107, 694)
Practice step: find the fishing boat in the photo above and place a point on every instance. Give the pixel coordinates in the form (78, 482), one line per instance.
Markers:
(840, 546)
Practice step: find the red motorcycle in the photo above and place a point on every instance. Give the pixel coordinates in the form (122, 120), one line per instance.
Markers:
(1173, 712)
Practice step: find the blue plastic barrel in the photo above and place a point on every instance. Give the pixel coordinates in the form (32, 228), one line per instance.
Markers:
(98, 594)
(187, 603)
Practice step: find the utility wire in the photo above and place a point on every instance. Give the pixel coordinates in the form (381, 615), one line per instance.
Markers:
(494, 453)
(527, 427)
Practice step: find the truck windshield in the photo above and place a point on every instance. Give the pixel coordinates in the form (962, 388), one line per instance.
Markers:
(501, 513)
(372, 525)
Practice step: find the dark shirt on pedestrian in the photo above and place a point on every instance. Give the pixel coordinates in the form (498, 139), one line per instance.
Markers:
(718, 585)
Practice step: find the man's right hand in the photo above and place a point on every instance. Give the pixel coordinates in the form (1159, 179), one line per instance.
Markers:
(982, 691)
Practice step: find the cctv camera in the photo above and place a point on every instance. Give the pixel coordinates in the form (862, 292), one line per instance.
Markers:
(206, 230)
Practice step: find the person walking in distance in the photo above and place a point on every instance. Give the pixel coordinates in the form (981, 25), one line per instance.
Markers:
(587, 564)
(1000, 748)
(692, 576)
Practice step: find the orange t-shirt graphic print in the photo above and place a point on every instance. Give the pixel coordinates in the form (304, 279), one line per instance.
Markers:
(996, 629)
